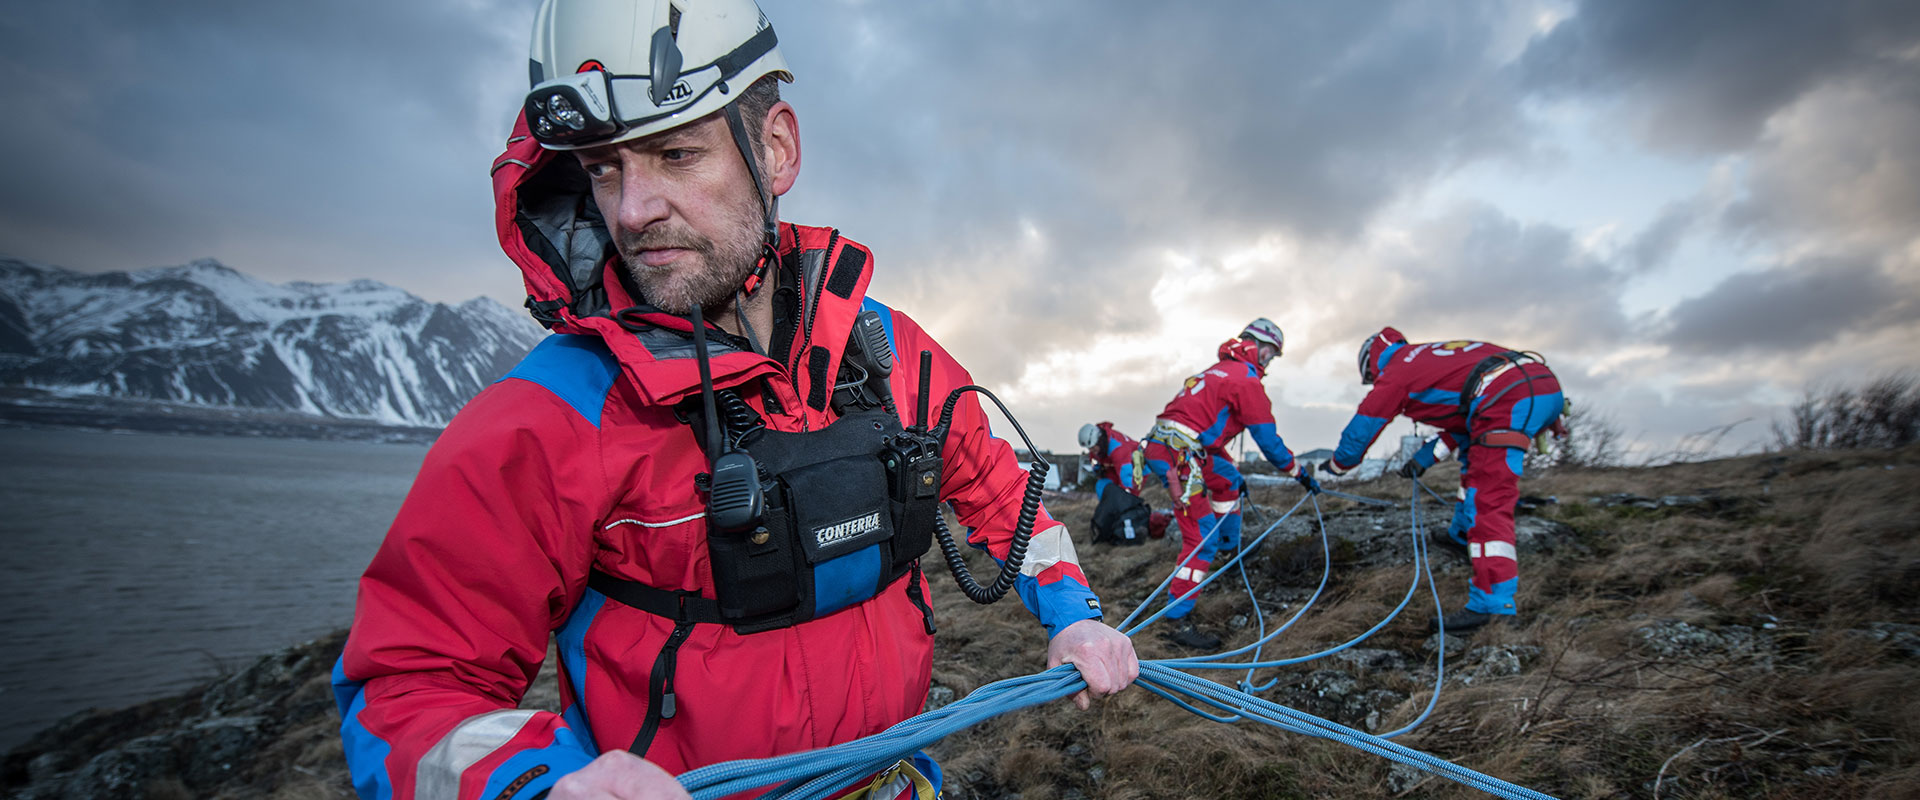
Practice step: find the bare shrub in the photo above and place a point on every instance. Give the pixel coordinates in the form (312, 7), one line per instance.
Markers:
(1885, 413)
(1593, 440)
(1693, 447)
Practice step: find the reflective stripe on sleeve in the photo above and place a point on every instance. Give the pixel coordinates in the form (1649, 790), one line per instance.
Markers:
(440, 769)
(1047, 548)
(1493, 550)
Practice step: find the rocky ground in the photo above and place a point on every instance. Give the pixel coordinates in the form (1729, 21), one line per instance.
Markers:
(1739, 628)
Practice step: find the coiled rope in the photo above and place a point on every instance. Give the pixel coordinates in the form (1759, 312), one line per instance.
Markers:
(826, 771)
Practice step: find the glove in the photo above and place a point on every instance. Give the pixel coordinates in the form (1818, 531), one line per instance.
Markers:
(1330, 468)
(1412, 469)
(1303, 474)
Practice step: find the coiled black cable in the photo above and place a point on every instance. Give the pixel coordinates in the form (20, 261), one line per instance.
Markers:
(1023, 527)
(742, 423)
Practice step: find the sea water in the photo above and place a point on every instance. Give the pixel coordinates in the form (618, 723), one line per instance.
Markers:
(133, 566)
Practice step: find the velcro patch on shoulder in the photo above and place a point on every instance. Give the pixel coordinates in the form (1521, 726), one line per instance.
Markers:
(846, 271)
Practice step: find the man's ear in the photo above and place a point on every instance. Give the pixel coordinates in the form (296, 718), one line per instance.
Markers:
(780, 138)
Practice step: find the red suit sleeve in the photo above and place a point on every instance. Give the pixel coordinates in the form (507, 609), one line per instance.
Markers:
(1384, 402)
(984, 483)
(487, 555)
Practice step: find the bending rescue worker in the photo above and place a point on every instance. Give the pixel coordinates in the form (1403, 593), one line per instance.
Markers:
(687, 487)
(1489, 403)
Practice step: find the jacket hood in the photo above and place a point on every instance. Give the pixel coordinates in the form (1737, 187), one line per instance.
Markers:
(1244, 351)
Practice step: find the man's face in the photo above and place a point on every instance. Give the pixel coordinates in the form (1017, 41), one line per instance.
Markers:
(681, 208)
(1268, 353)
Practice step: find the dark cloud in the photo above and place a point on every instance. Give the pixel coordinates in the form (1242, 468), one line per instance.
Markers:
(1479, 273)
(1821, 99)
(326, 140)
(939, 133)
(1791, 308)
(1842, 168)
(1705, 76)
(1655, 245)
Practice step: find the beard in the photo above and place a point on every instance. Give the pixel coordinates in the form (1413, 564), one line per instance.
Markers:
(716, 270)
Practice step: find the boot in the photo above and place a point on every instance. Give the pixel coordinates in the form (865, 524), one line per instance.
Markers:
(1463, 622)
(1191, 637)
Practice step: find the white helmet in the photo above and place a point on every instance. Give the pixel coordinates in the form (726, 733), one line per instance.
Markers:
(1264, 331)
(606, 71)
(1089, 434)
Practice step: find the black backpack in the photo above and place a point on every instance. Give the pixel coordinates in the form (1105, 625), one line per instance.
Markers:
(1120, 518)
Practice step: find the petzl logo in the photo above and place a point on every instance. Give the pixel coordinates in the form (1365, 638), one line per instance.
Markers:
(842, 531)
(679, 93)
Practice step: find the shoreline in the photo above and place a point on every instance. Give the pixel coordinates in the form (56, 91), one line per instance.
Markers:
(31, 410)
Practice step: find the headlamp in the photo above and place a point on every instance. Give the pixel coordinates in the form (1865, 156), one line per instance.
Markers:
(575, 109)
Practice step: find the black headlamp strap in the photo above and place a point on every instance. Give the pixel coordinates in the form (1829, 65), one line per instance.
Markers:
(770, 223)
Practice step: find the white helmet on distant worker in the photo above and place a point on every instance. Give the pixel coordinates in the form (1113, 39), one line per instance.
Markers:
(606, 71)
(1089, 434)
(1263, 330)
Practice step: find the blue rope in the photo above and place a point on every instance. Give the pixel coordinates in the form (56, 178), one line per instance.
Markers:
(1326, 572)
(1175, 681)
(818, 774)
(1420, 553)
(1211, 576)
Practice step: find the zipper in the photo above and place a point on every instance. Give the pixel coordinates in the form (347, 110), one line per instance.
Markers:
(810, 312)
(919, 598)
(660, 698)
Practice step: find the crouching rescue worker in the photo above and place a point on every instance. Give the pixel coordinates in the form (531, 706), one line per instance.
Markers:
(1188, 451)
(1118, 459)
(704, 488)
(1489, 403)
(1120, 516)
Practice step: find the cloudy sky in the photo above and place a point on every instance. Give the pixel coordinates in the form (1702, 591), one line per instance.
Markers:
(1693, 209)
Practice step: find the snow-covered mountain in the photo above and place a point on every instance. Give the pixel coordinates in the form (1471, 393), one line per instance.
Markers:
(208, 335)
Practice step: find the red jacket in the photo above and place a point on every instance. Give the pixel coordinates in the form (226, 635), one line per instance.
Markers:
(1227, 398)
(1422, 381)
(575, 462)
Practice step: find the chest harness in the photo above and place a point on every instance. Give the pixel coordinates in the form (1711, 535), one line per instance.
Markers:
(801, 525)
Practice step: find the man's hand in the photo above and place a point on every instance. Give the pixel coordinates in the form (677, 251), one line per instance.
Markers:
(1104, 657)
(1412, 469)
(619, 775)
(1331, 468)
(1303, 474)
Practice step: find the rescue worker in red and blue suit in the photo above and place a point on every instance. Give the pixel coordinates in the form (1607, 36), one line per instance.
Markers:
(1489, 403)
(1118, 459)
(1188, 451)
(568, 502)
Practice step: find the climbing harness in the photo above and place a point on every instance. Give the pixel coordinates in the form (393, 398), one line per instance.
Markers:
(1480, 381)
(1184, 441)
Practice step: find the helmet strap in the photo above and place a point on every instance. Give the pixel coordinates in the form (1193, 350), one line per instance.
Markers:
(769, 205)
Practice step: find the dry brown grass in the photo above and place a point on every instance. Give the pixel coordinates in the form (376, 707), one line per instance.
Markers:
(1788, 694)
